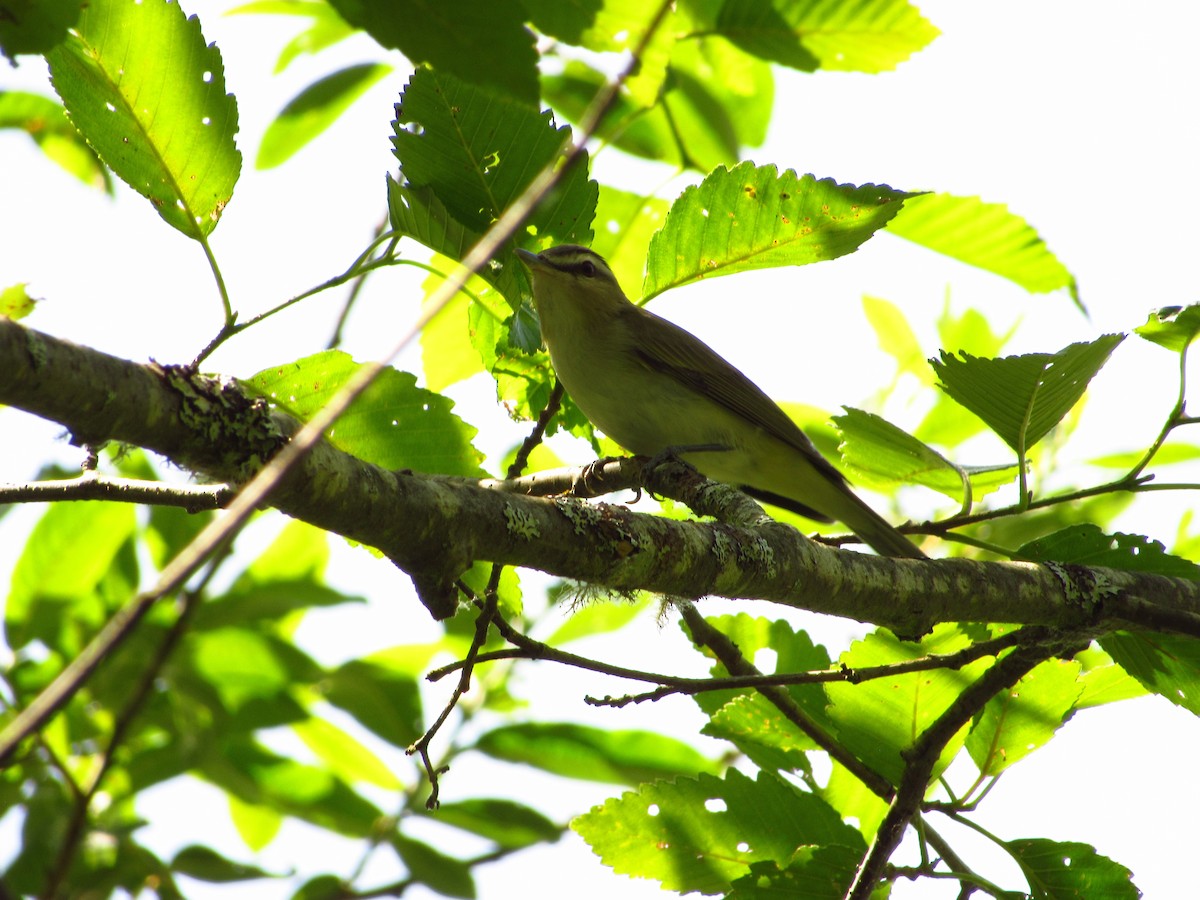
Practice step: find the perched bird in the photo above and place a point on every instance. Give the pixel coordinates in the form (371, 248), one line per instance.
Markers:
(652, 386)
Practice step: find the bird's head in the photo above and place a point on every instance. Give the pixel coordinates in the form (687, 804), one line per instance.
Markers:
(569, 280)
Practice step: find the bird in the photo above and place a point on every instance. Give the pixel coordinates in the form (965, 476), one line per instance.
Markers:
(655, 388)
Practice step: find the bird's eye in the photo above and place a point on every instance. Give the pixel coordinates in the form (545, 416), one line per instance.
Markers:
(588, 268)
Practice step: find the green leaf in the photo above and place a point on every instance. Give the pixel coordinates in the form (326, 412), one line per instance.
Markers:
(313, 110)
(477, 152)
(820, 873)
(15, 302)
(716, 102)
(785, 649)
(1015, 723)
(206, 864)
(1066, 870)
(1167, 664)
(1089, 546)
(480, 41)
(1173, 327)
(446, 875)
(879, 719)
(393, 424)
(142, 86)
(47, 124)
(700, 834)
(36, 26)
(750, 217)
(593, 754)
(602, 617)
(878, 454)
(625, 224)
(869, 36)
(262, 778)
(896, 337)
(985, 235)
(345, 754)
(1022, 397)
(383, 700)
(322, 887)
(240, 664)
(257, 825)
(755, 726)
(448, 343)
(509, 824)
(1167, 455)
(1103, 681)
(56, 590)
(327, 27)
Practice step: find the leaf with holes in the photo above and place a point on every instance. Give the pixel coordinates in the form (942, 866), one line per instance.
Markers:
(700, 834)
(751, 217)
(148, 94)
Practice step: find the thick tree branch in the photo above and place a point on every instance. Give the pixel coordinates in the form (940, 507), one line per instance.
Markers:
(434, 527)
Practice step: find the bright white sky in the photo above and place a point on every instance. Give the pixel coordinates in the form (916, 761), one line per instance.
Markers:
(1079, 115)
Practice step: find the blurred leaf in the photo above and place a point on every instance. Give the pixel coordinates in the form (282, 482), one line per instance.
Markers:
(1173, 327)
(260, 777)
(326, 29)
(142, 86)
(1167, 455)
(1066, 870)
(46, 122)
(509, 824)
(593, 754)
(240, 664)
(383, 700)
(878, 720)
(15, 302)
(870, 36)
(479, 41)
(448, 355)
(699, 834)
(345, 755)
(313, 110)
(716, 102)
(257, 825)
(393, 424)
(1022, 397)
(896, 337)
(625, 224)
(36, 26)
(984, 235)
(752, 218)
(446, 875)
(54, 594)
(207, 864)
(602, 617)
(1016, 722)
(323, 887)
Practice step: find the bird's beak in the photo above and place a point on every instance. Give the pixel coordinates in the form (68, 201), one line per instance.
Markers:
(532, 261)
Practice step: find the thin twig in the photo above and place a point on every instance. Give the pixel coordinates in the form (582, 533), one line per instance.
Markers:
(92, 486)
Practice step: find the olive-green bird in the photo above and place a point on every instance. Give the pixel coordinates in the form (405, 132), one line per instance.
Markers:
(652, 386)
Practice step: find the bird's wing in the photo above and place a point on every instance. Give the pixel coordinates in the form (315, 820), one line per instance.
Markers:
(678, 353)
